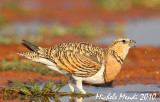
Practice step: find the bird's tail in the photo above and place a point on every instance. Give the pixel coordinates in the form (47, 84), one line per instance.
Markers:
(29, 55)
(33, 48)
(30, 46)
(24, 54)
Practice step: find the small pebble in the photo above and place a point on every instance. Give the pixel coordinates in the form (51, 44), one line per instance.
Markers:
(157, 72)
(145, 51)
(153, 60)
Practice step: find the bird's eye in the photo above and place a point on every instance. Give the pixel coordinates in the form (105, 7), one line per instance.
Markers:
(124, 41)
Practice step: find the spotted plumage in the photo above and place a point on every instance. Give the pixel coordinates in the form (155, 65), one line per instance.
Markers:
(83, 62)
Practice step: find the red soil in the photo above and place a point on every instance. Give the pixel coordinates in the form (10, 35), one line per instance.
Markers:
(10, 75)
(141, 68)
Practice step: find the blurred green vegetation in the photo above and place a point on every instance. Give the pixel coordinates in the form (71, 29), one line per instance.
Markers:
(15, 39)
(13, 5)
(25, 65)
(10, 34)
(120, 5)
(85, 30)
(3, 21)
(34, 89)
(33, 92)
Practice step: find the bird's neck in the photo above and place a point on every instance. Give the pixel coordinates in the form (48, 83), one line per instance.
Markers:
(118, 56)
(119, 52)
(112, 67)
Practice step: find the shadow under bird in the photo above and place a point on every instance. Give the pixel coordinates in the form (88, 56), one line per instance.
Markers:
(82, 62)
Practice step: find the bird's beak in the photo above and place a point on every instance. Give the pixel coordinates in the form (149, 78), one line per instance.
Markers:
(132, 41)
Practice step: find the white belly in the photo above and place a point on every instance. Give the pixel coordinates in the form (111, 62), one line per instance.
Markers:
(57, 69)
(50, 65)
(98, 78)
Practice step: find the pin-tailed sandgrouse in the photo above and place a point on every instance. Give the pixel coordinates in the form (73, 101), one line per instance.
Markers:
(82, 62)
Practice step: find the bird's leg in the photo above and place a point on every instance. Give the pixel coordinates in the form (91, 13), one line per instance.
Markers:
(71, 84)
(79, 99)
(79, 86)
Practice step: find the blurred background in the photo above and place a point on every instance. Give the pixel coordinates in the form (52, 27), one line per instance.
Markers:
(100, 21)
(50, 22)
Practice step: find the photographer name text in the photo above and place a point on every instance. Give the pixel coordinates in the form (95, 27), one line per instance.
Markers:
(124, 96)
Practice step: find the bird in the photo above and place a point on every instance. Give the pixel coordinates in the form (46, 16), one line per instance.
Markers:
(81, 61)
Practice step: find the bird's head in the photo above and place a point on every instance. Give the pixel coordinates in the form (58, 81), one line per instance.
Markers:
(121, 46)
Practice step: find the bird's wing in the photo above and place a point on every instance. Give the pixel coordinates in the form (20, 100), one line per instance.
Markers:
(80, 59)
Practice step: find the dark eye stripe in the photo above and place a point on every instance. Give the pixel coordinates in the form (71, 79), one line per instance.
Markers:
(116, 42)
(123, 41)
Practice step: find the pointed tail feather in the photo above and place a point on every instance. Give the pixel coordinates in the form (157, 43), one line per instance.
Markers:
(30, 46)
(29, 55)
